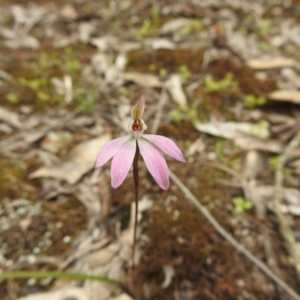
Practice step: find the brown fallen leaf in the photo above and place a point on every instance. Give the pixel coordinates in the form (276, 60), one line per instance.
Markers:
(80, 160)
(285, 95)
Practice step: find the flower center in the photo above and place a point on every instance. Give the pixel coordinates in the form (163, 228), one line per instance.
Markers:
(137, 125)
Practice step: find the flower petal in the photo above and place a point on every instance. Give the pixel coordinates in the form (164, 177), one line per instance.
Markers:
(110, 149)
(155, 163)
(166, 145)
(122, 162)
(138, 110)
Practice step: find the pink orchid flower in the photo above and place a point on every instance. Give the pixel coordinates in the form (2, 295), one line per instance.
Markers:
(151, 146)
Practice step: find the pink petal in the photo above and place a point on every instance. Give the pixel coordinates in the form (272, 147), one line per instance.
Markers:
(122, 162)
(110, 149)
(155, 163)
(166, 145)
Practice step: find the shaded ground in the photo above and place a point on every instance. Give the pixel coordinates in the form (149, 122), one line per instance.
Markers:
(69, 74)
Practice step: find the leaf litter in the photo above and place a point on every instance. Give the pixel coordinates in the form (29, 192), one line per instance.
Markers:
(78, 67)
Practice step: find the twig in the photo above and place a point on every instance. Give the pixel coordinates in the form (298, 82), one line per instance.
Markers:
(271, 259)
(188, 194)
(283, 224)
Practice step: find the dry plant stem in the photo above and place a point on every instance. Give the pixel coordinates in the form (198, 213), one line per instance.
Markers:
(283, 224)
(136, 194)
(188, 194)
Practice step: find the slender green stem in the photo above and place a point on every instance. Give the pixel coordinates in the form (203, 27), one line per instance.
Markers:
(54, 274)
(136, 193)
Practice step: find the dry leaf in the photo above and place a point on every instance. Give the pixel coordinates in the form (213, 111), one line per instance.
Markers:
(169, 273)
(26, 42)
(68, 12)
(174, 87)
(55, 141)
(98, 290)
(27, 16)
(175, 25)
(146, 80)
(253, 164)
(253, 143)
(230, 130)
(81, 159)
(85, 30)
(292, 209)
(285, 95)
(160, 43)
(62, 294)
(6, 76)
(290, 195)
(105, 43)
(122, 297)
(296, 166)
(10, 117)
(277, 62)
(101, 257)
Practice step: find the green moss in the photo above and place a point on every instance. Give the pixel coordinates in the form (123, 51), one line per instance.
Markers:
(273, 165)
(43, 96)
(33, 85)
(12, 98)
(227, 83)
(251, 101)
(176, 115)
(150, 25)
(241, 204)
(184, 72)
(193, 27)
